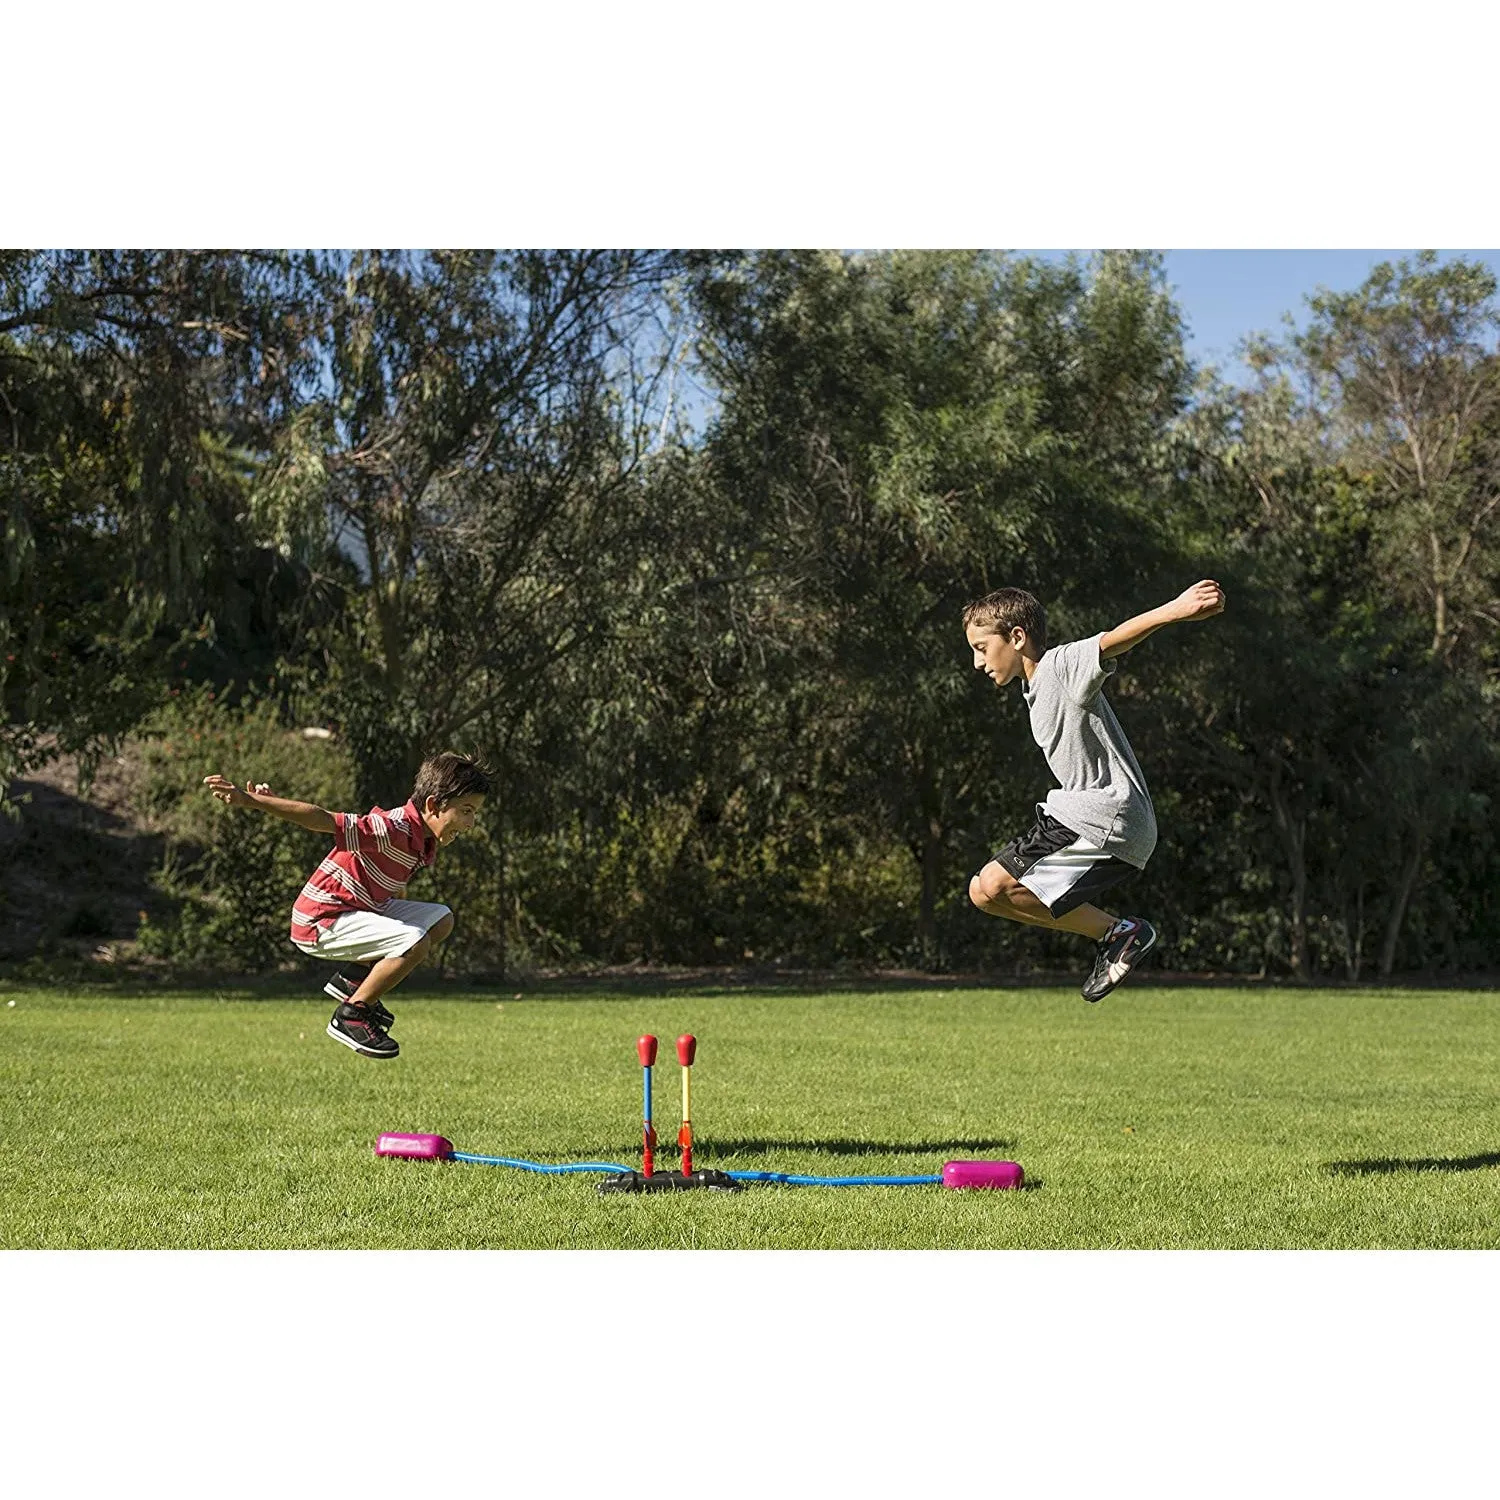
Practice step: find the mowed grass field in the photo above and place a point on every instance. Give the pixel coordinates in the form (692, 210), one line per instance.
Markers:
(1163, 1117)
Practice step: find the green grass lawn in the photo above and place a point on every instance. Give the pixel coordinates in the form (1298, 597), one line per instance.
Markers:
(1163, 1117)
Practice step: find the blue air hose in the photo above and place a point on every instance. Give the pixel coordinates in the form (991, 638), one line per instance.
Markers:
(536, 1166)
(793, 1179)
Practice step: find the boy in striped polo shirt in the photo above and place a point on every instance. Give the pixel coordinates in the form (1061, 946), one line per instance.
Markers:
(353, 909)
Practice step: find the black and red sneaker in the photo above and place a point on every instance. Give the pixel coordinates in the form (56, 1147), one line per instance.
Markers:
(356, 1027)
(346, 982)
(1120, 950)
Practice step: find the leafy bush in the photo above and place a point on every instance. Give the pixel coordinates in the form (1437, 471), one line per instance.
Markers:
(230, 875)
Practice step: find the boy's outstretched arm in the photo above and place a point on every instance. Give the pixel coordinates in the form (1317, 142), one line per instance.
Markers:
(258, 794)
(1197, 603)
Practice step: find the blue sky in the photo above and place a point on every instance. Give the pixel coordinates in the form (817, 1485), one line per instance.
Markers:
(1227, 294)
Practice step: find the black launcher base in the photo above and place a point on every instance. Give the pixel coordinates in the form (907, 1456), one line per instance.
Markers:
(670, 1182)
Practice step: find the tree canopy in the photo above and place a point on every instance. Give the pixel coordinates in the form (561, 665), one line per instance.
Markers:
(448, 500)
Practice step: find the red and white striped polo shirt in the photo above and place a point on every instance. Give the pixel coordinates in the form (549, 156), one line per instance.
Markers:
(375, 857)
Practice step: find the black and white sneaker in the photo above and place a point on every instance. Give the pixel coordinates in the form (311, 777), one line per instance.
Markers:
(356, 1027)
(346, 982)
(1119, 951)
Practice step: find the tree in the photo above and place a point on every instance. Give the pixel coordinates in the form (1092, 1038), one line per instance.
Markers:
(911, 430)
(466, 451)
(1412, 389)
(1326, 480)
(1409, 364)
(135, 388)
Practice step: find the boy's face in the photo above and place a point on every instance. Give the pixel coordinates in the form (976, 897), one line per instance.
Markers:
(998, 656)
(456, 817)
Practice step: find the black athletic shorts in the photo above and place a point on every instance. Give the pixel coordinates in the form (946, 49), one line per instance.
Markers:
(1059, 868)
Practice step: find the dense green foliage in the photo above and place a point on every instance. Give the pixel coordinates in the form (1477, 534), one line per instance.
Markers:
(1243, 1118)
(225, 880)
(449, 501)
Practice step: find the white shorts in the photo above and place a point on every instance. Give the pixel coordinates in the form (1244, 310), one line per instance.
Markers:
(365, 936)
(1058, 867)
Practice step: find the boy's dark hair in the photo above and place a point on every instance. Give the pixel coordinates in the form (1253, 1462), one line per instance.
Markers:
(1003, 610)
(447, 777)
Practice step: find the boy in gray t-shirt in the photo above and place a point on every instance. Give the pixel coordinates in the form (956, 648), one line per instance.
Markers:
(1098, 826)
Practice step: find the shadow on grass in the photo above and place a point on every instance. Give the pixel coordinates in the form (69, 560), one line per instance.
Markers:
(136, 978)
(1384, 1165)
(755, 1146)
(708, 1146)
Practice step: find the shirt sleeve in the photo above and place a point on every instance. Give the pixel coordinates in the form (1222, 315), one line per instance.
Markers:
(1080, 669)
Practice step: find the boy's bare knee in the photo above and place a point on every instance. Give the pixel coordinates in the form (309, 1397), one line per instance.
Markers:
(995, 883)
(997, 893)
(442, 930)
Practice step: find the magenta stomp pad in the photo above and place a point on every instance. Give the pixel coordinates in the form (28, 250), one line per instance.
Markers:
(983, 1174)
(432, 1147)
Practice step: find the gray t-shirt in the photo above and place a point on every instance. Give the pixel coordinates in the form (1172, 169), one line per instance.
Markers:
(1103, 795)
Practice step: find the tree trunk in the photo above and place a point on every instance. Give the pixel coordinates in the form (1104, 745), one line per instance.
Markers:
(1408, 880)
(1439, 596)
(502, 949)
(1355, 951)
(1293, 840)
(932, 860)
(392, 646)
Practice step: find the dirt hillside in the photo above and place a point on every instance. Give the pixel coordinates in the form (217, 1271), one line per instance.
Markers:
(76, 866)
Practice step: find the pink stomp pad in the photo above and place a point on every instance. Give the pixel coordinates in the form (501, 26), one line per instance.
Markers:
(393, 1143)
(983, 1174)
